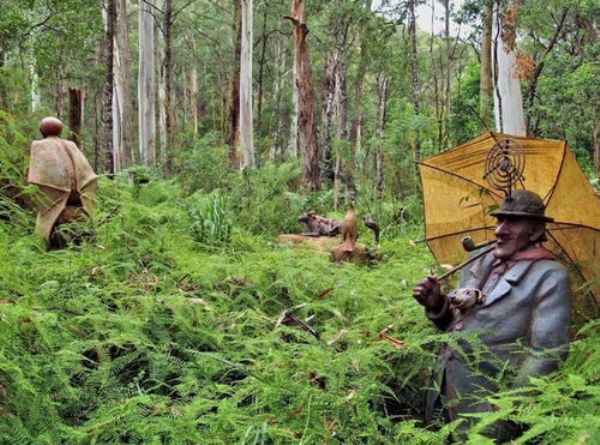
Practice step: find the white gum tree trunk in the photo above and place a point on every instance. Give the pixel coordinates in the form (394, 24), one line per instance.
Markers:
(147, 86)
(194, 90)
(36, 99)
(293, 145)
(162, 107)
(246, 115)
(121, 95)
(117, 113)
(508, 101)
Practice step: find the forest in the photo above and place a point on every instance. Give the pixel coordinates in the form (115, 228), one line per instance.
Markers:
(176, 315)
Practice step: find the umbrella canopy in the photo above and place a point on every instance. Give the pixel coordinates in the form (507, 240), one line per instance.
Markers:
(458, 200)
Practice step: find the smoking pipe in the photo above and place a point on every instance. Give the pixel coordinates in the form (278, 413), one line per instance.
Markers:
(469, 245)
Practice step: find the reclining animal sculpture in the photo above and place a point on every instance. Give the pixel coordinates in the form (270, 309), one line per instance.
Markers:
(320, 226)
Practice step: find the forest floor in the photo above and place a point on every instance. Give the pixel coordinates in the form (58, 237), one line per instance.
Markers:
(146, 335)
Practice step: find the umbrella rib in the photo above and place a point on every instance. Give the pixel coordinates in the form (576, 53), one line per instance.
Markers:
(573, 263)
(572, 226)
(470, 181)
(460, 232)
(548, 196)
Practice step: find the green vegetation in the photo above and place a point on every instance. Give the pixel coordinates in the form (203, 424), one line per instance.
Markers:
(169, 327)
(175, 323)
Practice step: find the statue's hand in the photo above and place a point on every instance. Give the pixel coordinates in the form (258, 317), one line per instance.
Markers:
(429, 294)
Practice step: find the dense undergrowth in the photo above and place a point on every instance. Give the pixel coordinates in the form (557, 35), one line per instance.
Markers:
(169, 327)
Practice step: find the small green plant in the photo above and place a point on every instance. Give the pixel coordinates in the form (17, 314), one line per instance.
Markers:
(210, 217)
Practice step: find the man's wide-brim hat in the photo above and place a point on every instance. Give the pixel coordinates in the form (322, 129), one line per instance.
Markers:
(523, 204)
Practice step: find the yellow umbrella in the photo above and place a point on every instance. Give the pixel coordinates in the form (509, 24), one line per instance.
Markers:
(457, 199)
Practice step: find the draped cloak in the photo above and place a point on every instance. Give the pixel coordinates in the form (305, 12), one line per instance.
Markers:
(65, 177)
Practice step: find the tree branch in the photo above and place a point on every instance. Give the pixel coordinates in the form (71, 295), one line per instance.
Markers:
(530, 94)
(176, 13)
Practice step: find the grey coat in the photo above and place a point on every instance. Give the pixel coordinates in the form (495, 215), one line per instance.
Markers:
(523, 325)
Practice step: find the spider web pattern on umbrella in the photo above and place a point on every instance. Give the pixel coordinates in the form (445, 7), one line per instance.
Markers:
(458, 198)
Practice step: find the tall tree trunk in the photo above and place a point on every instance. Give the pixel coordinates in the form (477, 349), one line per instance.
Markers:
(167, 81)
(76, 98)
(123, 107)
(3, 92)
(193, 91)
(233, 136)
(414, 72)
(508, 102)
(307, 128)
(122, 89)
(326, 133)
(355, 137)
(294, 118)
(58, 99)
(261, 69)
(162, 105)
(383, 88)
(277, 147)
(246, 114)
(438, 138)
(107, 97)
(97, 131)
(35, 85)
(448, 75)
(485, 85)
(341, 109)
(147, 86)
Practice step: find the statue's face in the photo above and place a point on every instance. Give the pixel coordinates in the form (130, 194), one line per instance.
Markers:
(513, 235)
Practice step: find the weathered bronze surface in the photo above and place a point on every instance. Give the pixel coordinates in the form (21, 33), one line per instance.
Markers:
(516, 299)
(349, 249)
(65, 178)
(320, 226)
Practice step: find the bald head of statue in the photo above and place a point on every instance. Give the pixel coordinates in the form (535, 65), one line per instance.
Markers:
(51, 126)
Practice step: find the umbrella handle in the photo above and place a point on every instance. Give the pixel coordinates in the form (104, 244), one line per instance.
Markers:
(465, 263)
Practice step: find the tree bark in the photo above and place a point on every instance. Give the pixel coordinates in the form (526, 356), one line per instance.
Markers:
(307, 127)
(76, 98)
(146, 86)
(167, 81)
(107, 98)
(122, 106)
(438, 138)
(3, 93)
(162, 104)
(341, 109)
(485, 85)
(356, 125)
(277, 147)
(414, 71)
(233, 136)
(383, 88)
(35, 81)
(326, 134)
(447, 86)
(193, 91)
(294, 118)
(508, 102)
(246, 114)
(261, 69)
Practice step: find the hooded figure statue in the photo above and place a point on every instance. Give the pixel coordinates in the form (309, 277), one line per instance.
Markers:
(65, 178)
